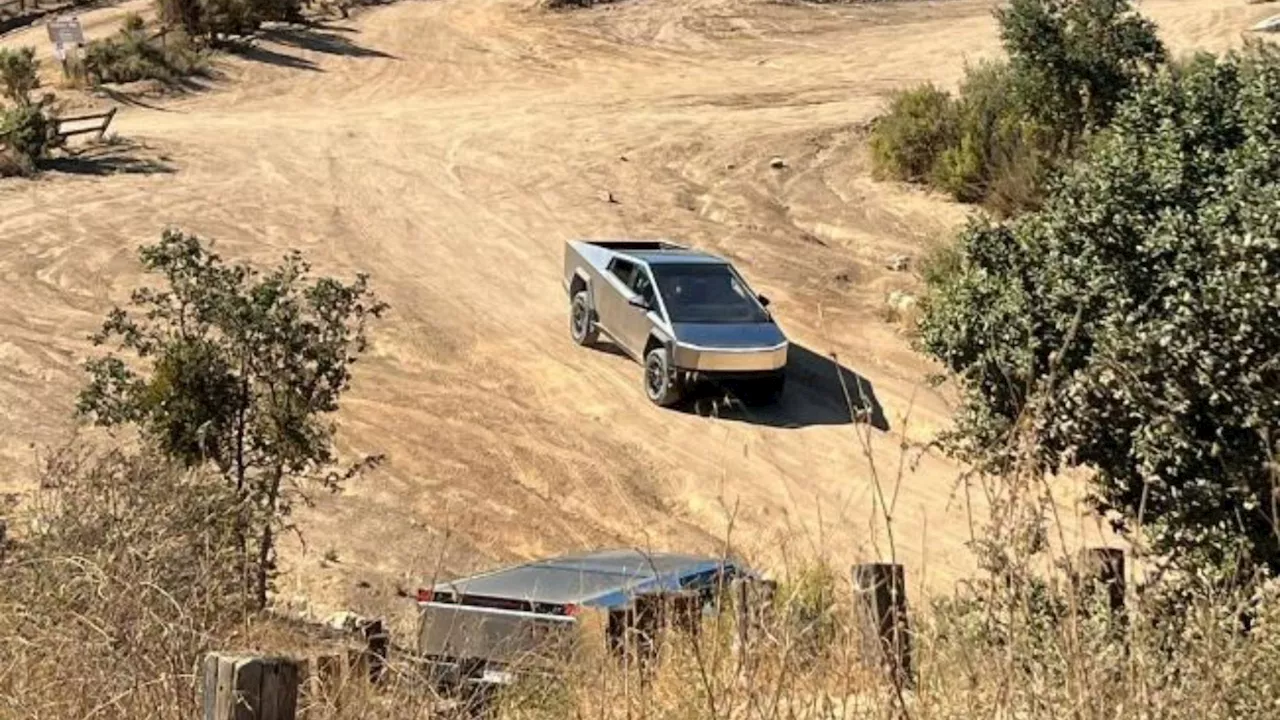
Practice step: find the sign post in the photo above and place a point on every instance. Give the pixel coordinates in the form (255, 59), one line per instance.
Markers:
(67, 37)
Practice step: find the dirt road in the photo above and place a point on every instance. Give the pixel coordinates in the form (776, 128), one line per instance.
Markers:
(448, 148)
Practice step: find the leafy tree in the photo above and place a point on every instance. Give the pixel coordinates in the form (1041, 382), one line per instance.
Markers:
(240, 370)
(1134, 322)
(18, 74)
(211, 19)
(1075, 60)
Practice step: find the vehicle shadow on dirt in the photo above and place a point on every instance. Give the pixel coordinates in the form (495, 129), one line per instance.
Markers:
(820, 391)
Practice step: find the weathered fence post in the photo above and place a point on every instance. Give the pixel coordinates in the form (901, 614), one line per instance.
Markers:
(881, 606)
(378, 645)
(1105, 567)
(752, 603)
(243, 687)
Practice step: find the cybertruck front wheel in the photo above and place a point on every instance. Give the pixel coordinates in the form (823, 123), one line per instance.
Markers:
(661, 382)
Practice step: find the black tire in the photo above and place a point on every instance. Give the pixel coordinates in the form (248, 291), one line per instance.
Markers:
(766, 391)
(582, 322)
(661, 384)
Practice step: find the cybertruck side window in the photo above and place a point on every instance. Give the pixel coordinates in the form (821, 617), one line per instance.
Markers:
(642, 286)
(624, 270)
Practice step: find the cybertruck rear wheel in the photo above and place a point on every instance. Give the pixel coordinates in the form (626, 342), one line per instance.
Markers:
(582, 325)
(661, 382)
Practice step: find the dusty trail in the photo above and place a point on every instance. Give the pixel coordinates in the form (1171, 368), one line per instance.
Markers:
(448, 148)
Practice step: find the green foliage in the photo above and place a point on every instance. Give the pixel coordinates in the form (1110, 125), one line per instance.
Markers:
(130, 55)
(18, 76)
(1075, 60)
(239, 370)
(919, 126)
(26, 136)
(1002, 155)
(1070, 62)
(212, 19)
(1133, 320)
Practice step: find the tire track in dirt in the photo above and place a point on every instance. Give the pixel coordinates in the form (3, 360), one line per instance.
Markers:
(449, 148)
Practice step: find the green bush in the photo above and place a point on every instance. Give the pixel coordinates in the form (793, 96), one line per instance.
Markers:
(1074, 62)
(130, 56)
(1134, 317)
(18, 74)
(1002, 155)
(26, 136)
(1014, 121)
(211, 19)
(919, 127)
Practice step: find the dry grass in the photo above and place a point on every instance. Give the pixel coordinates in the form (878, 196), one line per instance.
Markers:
(126, 574)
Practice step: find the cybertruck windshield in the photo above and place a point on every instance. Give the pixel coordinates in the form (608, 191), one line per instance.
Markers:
(706, 293)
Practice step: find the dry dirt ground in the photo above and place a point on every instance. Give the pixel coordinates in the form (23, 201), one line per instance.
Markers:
(449, 148)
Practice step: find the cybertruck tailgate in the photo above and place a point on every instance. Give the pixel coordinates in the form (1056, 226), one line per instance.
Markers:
(495, 635)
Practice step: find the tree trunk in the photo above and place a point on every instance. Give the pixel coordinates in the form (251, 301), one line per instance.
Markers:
(262, 571)
(267, 547)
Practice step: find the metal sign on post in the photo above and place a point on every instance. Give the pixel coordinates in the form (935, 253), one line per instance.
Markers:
(66, 31)
(66, 34)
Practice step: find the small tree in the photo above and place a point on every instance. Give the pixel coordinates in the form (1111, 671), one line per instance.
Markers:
(1136, 318)
(18, 74)
(1075, 60)
(240, 370)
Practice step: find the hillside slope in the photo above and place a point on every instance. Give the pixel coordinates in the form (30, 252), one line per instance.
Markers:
(449, 148)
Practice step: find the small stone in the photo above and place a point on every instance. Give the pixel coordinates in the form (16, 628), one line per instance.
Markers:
(363, 585)
(901, 301)
(606, 196)
(898, 263)
(345, 621)
(777, 163)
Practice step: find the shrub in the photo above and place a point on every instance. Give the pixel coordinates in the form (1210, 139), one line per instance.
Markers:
(1135, 316)
(238, 370)
(212, 19)
(18, 76)
(26, 136)
(130, 56)
(1002, 154)
(908, 140)
(1075, 61)
(127, 574)
(1013, 122)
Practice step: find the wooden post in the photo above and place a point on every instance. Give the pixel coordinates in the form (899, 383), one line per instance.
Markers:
(106, 122)
(378, 647)
(881, 606)
(244, 687)
(742, 611)
(1104, 567)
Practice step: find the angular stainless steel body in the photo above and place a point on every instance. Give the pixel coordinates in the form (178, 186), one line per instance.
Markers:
(636, 327)
(526, 618)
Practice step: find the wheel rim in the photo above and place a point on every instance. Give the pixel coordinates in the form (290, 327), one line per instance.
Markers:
(654, 380)
(579, 319)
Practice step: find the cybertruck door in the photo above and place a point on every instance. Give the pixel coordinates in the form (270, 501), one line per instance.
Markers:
(612, 303)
